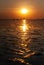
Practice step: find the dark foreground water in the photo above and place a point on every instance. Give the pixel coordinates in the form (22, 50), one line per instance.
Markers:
(22, 42)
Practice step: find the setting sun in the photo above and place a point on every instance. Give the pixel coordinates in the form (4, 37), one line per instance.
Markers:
(24, 11)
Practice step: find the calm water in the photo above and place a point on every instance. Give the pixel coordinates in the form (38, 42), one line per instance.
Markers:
(21, 39)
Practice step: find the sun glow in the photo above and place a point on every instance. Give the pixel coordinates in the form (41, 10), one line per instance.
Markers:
(24, 11)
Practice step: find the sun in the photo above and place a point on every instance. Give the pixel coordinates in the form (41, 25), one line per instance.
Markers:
(24, 11)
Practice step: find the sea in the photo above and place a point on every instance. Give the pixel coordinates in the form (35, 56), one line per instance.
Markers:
(22, 41)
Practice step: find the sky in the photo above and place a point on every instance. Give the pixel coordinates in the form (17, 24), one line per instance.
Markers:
(10, 8)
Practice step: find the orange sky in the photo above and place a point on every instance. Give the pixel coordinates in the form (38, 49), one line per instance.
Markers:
(15, 14)
(11, 9)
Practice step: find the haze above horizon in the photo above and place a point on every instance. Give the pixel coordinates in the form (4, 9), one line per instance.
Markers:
(11, 9)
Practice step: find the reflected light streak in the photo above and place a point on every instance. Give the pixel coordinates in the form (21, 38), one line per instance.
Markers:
(24, 26)
(28, 55)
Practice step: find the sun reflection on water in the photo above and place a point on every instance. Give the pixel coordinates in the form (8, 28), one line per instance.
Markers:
(24, 26)
(24, 30)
